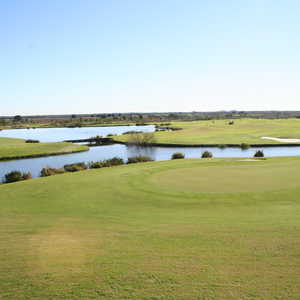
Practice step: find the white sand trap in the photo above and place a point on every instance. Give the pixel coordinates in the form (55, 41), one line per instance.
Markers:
(281, 140)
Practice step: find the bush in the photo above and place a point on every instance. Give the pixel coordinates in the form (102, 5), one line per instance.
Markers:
(16, 176)
(51, 171)
(245, 146)
(259, 153)
(115, 161)
(141, 138)
(207, 154)
(96, 164)
(177, 155)
(132, 132)
(26, 176)
(222, 146)
(32, 141)
(138, 159)
(75, 167)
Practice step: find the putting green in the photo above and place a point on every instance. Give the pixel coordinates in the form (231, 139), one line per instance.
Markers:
(247, 176)
(143, 231)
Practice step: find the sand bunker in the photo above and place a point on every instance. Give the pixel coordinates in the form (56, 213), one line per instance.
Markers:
(282, 140)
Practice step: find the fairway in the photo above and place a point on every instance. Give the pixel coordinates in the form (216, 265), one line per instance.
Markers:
(183, 229)
(249, 176)
(217, 132)
(18, 148)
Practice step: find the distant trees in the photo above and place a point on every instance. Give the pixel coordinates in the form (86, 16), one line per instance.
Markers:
(17, 118)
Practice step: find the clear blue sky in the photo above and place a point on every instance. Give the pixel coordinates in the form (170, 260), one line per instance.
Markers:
(86, 56)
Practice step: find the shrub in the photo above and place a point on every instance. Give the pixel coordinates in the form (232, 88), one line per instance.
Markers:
(26, 176)
(177, 155)
(141, 138)
(51, 171)
(32, 141)
(96, 164)
(222, 146)
(75, 167)
(97, 139)
(16, 176)
(110, 134)
(231, 123)
(259, 153)
(115, 161)
(138, 159)
(245, 146)
(207, 154)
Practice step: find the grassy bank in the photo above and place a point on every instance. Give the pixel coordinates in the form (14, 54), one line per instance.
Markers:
(18, 148)
(183, 229)
(218, 132)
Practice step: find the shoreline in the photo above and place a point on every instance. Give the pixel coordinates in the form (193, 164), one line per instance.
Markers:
(166, 145)
(41, 155)
(88, 125)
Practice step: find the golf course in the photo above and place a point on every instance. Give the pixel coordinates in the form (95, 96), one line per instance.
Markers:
(218, 132)
(18, 148)
(183, 229)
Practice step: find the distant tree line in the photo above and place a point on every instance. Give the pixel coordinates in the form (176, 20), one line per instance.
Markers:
(78, 120)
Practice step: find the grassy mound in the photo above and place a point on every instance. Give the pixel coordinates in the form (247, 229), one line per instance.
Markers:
(249, 176)
(121, 233)
(18, 148)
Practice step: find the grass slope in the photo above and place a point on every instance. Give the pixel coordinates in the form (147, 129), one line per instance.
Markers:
(219, 132)
(17, 148)
(149, 231)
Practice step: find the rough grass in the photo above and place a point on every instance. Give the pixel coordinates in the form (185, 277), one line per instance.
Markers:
(218, 132)
(18, 148)
(121, 233)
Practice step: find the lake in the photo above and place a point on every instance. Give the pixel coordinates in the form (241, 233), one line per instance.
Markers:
(63, 134)
(34, 165)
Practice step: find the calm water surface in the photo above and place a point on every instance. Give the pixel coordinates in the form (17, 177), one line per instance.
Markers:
(62, 134)
(34, 165)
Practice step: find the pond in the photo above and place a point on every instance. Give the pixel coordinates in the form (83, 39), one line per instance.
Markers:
(34, 165)
(78, 133)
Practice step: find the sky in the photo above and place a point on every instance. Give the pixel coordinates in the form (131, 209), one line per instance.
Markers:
(101, 56)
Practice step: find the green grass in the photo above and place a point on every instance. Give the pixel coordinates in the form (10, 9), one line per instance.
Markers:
(219, 132)
(179, 229)
(17, 148)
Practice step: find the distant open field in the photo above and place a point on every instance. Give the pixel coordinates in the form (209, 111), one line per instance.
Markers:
(17, 148)
(247, 131)
(184, 230)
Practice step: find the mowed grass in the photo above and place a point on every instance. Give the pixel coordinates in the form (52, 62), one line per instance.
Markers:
(220, 132)
(159, 230)
(16, 148)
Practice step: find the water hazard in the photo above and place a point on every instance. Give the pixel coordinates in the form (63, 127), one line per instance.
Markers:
(34, 165)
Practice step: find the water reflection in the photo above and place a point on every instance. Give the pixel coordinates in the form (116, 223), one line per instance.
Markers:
(35, 165)
(146, 151)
